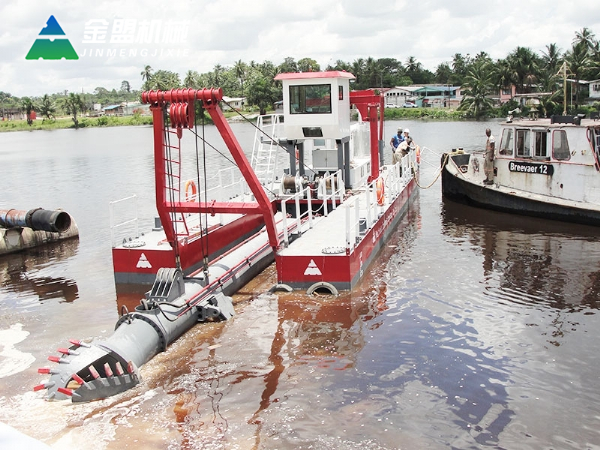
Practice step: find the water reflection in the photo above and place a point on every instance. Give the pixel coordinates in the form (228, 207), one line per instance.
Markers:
(545, 263)
(21, 272)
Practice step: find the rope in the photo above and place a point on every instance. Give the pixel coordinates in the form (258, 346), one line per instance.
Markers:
(436, 177)
(203, 231)
(269, 137)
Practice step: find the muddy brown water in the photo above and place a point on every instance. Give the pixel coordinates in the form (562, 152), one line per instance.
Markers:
(471, 329)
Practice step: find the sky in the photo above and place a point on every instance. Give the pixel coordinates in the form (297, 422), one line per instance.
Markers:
(115, 40)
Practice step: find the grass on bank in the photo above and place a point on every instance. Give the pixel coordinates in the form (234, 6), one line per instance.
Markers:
(67, 122)
(86, 122)
(136, 119)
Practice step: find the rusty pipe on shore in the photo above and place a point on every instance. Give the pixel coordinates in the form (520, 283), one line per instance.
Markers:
(37, 219)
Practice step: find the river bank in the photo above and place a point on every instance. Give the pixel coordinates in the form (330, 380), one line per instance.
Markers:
(136, 119)
(101, 121)
(471, 330)
(67, 122)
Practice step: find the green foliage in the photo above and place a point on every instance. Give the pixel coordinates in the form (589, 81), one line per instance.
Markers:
(523, 68)
(262, 93)
(47, 108)
(477, 88)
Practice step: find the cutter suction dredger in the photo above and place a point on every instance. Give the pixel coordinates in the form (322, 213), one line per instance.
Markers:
(323, 207)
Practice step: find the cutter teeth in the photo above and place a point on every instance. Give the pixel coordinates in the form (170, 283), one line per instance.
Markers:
(78, 379)
(46, 385)
(67, 351)
(94, 372)
(65, 391)
(78, 343)
(57, 359)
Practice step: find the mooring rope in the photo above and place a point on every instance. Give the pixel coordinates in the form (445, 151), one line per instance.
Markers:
(439, 172)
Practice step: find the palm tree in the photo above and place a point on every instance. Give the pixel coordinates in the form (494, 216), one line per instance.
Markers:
(28, 108)
(524, 64)
(372, 73)
(217, 70)
(163, 80)
(73, 104)
(578, 61)
(191, 79)
(503, 75)
(288, 65)
(477, 87)
(146, 75)
(358, 69)
(460, 65)
(552, 58)
(47, 108)
(586, 37)
(443, 73)
(241, 70)
(125, 86)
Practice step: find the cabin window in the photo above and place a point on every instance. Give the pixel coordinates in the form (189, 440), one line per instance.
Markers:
(340, 92)
(540, 143)
(560, 145)
(523, 144)
(506, 145)
(310, 99)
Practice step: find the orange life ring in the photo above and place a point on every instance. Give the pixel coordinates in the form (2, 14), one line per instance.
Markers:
(418, 154)
(380, 186)
(190, 186)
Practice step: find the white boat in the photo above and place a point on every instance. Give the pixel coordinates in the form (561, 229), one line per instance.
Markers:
(548, 168)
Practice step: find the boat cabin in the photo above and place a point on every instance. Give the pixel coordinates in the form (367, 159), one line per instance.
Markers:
(554, 155)
(317, 129)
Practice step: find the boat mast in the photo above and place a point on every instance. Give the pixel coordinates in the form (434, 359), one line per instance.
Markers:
(563, 69)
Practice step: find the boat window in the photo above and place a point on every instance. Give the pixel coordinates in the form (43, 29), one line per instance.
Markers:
(523, 143)
(560, 145)
(310, 99)
(540, 143)
(506, 145)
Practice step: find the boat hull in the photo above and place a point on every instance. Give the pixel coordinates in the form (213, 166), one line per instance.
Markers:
(460, 189)
(138, 265)
(343, 271)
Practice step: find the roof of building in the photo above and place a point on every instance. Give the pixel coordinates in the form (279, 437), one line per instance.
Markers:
(308, 75)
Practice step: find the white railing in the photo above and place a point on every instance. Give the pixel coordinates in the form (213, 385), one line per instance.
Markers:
(362, 211)
(129, 225)
(331, 187)
(226, 185)
(307, 216)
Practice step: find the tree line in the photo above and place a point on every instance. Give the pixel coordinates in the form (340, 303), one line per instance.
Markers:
(480, 77)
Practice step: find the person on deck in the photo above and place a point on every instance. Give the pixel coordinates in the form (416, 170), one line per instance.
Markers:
(403, 149)
(488, 161)
(397, 139)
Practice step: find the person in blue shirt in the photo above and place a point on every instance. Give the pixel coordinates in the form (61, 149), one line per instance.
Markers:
(395, 142)
(397, 139)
